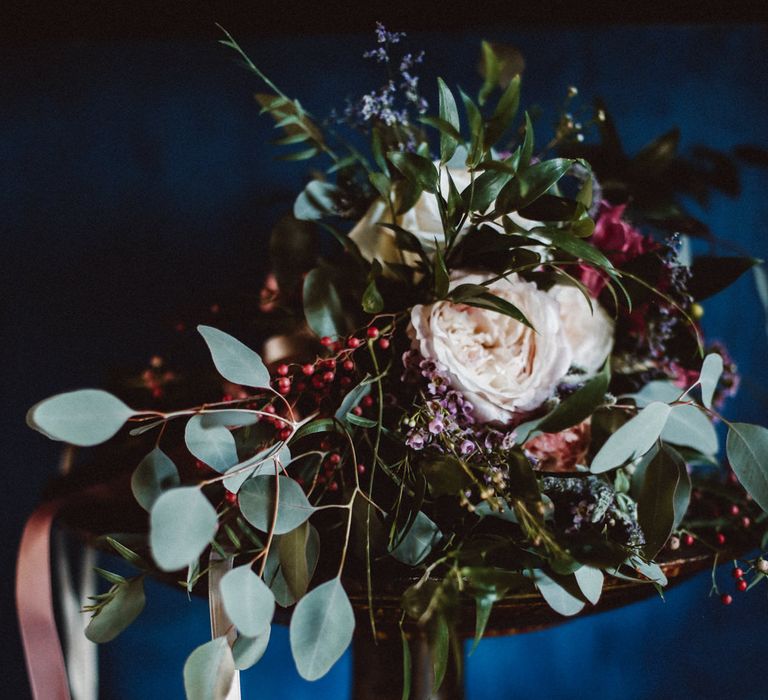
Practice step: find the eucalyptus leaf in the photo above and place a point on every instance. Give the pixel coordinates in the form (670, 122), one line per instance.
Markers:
(590, 582)
(439, 639)
(747, 449)
(182, 523)
(209, 671)
(257, 504)
(711, 369)
(321, 629)
(352, 399)
(84, 418)
(322, 305)
(294, 564)
(215, 445)
(231, 418)
(234, 360)
(633, 439)
(118, 613)
(156, 473)
(656, 505)
(264, 463)
(557, 597)
(248, 601)
(248, 650)
(688, 426)
(418, 541)
(316, 201)
(663, 391)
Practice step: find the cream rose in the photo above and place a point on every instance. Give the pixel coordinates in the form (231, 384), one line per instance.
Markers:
(503, 367)
(422, 220)
(589, 331)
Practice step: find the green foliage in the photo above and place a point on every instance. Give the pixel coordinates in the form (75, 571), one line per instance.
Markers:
(590, 582)
(257, 504)
(416, 543)
(419, 171)
(156, 473)
(214, 445)
(711, 369)
(688, 426)
(633, 439)
(316, 201)
(747, 449)
(248, 601)
(235, 361)
(351, 400)
(247, 651)
(209, 671)
(294, 565)
(86, 417)
(531, 184)
(120, 608)
(477, 295)
(322, 305)
(321, 629)
(445, 474)
(559, 598)
(449, 114)
(182, 523)
(656, 505)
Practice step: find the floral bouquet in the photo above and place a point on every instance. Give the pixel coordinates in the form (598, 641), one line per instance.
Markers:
(482, 378)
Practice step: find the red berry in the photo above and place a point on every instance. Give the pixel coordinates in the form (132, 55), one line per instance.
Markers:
(283, 370)
(335, 458)
(383, 343)
(284, 434)
(333, 486)
(308, 370)
(357, 411)
(346, 381)
(354, 342)
(735, 510)
(269, 408)
(328, 377)
(726, 599)
(329, 364)
(361, 469)
(226, 397)
(157, 392)
(720, 537)
(325, 445)
(372, 332)
(317, 381)
(688, 540)
(284, 390)
(348, 365)
(200, 466)
(326, 341)
(745, 522)
(737, 572)
(741, 585)
(367, 401)
(284, 382)
(231, 497)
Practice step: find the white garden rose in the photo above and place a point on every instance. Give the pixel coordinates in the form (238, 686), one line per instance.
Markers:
(422, 220)
(588, 331)
(502, 367)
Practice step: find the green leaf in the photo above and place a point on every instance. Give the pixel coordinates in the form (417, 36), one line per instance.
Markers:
(273, 573)
(316, 201)
(663, 391)
(416, 169)
(484, 189)
(489, 70)
(372, 301)
(682, 497)
(504, 113)
(747, 450)
(406, 665)
(267, 457)
(257, 504)
(209, 671)
(574, 246)
(633, 439)
(531, 183)
(235, 361)
(182, 523)
(579, 405)
(215, 446)
(711, 274)
(656, 505)
(248, 650)
(439, 638)
(247, 600)
(450, 114)
(321, 629)
(711, 369)
(688, 426)
(526, 150)
(320, 425)
(156, 473)
(118, 613)
(352, 399)
(442, 280)
(475, 119)
(445, 475)
(292, 548)
(322, 305)
(228, 418)
(558, 598)
(590, 582)
(479, 296)
(86, 417)
(418, 541)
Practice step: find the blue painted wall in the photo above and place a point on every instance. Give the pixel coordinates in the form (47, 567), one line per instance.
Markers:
(136, 179)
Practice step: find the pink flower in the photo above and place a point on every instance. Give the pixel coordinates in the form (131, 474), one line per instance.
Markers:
(561, 452)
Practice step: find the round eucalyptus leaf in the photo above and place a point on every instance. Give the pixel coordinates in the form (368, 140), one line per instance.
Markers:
(257, 504)
(590, 582)
(214, 445)
(248, 650)
(229, 418)
(85, 417)
(234, 360)
(688, 426)
(181, 524)
(633, 439)
(209, 671)
(118, 613)
(322, 306)
(711, 369)
(747, 449)
(557, 597)
(418, 541)
(321, 629)
(248, 601)
(156, 473)
(659, 390)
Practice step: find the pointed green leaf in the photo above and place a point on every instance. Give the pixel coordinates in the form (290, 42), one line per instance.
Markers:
(156, 473)
(118, 613)
(418, 542)
(234, 360)
(321, 629)
(711, 369)
(209, 671)
(182, 523)
(86, 417)
(450, 114)
(557, 597)
(439, 639)
(293, 559)
(590, 582)
(416, 169)
(747, 449)
(248, 601)
(656, 505)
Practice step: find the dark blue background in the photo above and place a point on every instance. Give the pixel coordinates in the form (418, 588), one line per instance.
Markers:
(137, 179)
